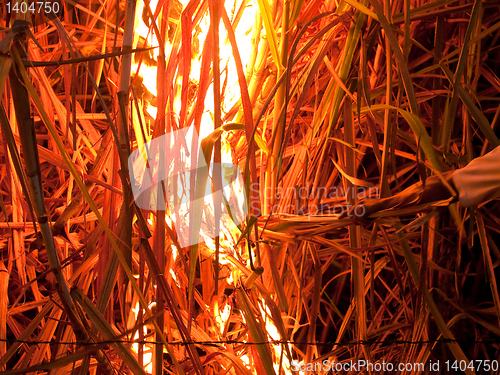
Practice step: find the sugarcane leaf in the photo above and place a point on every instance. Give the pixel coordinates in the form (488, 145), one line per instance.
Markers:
(418, 129)
(5, 64)
(271, 32)
(351, 179)
(362, 8)
(478, 116)
(257, 332)
(107, 331)
(67, 360)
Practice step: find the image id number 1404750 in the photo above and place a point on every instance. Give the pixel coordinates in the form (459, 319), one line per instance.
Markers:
(35, 7)
(473, 365)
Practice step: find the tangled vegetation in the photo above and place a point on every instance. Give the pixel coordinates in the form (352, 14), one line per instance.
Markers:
(320, 104)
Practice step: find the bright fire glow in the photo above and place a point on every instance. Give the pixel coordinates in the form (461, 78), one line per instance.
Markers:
(230, 96)
(273, 333)
(175, 255)
(175, 252)
(246, 361)
(147, 350)
(229, 80)
(223, 316)
(169, 223)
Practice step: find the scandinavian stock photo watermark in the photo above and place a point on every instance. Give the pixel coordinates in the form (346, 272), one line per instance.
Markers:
(166, 174)
(306, 200)
(361, 365)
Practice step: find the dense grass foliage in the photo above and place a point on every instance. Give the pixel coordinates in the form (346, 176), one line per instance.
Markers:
(321, 104)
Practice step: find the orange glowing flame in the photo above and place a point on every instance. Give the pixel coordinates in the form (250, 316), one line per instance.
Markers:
(230, 97)
(273, 333)
(148, 75)
(147, 350)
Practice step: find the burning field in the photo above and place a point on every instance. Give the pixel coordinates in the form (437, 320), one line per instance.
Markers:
(184, 186)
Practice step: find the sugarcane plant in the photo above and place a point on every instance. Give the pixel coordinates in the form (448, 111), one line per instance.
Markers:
(318, 105)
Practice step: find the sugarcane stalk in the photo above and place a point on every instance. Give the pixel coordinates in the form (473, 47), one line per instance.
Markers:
(126, 210)
(29, 148)
(4, 304)
(357, 272)
(274, 163)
